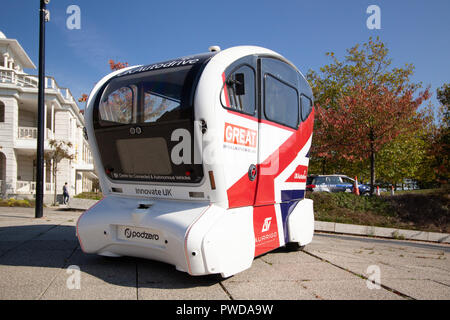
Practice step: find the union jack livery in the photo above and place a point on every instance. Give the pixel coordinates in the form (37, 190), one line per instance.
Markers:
(202, 160)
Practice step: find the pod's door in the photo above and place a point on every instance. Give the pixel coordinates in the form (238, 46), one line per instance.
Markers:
(278, 127)
(240, 131)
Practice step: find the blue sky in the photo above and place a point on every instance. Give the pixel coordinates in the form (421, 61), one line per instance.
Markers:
(142, 32)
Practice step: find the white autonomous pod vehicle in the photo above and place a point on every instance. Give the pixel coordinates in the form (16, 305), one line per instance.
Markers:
(202, 160)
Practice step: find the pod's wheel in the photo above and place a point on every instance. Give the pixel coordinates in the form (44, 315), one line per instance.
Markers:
(294, 246)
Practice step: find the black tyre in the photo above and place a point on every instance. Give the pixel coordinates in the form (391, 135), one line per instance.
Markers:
(294, 246)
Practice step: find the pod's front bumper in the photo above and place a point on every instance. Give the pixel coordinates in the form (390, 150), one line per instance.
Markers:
(152, 229)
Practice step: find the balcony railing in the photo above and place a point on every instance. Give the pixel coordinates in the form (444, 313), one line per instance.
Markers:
(27, 133)
(25, 187)
(23, 80)
(31, 81)
(31, 133)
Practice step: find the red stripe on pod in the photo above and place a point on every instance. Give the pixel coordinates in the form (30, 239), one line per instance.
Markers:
(242, 192)
(299, 175)
(225, 90)
(284, 156)
(266, 229)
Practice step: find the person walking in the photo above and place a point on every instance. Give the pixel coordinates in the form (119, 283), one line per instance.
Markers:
(65, 194)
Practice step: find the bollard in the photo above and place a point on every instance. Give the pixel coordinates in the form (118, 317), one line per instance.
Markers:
(378, 191)
(392, 190)
(355, 187)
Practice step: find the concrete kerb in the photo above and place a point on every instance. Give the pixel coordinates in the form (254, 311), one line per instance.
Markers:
(81, 204)
(393, 233)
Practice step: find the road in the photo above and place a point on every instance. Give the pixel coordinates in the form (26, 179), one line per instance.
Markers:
(38, 257)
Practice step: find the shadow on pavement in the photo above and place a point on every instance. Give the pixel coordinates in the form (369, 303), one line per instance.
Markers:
(56, 246)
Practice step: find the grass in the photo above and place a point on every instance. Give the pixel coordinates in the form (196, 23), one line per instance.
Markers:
(90, 195)
(17, 203)
(31, 203)
(426, 211)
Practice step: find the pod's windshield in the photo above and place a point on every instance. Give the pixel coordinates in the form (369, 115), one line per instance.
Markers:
(143, 122)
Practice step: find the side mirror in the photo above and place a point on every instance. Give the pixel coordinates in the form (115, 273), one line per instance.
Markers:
(238, 83)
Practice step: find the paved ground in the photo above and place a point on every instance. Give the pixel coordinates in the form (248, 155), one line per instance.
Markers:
(35, 255)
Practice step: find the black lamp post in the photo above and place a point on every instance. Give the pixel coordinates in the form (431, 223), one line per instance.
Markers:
(44, 16)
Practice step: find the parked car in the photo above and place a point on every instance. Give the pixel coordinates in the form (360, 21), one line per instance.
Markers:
(334, 183)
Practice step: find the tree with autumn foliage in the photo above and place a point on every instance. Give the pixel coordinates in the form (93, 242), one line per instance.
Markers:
(362, 104)
(117, 65)
(443, 139)
(367, 119)
(439, 139)
(83, 98)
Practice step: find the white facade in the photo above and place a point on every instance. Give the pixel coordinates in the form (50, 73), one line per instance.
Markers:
(18, 129)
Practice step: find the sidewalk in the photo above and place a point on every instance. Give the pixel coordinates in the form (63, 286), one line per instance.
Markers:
(42, 259)
(381, 232)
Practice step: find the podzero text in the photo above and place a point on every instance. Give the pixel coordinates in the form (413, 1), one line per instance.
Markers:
(142, 235)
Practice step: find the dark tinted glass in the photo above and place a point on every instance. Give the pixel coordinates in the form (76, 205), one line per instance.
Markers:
(281, 102)
(320, 180)
(145, 97)
(347, 180)
(136, 115)
(118, 106)
(306, 105)
(334, 180)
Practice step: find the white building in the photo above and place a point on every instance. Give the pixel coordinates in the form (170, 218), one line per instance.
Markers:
(18, 129)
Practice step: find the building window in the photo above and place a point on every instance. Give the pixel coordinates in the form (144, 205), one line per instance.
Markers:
(2, 112)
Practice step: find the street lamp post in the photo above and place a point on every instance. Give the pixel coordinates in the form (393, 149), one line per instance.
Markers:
(43, 17)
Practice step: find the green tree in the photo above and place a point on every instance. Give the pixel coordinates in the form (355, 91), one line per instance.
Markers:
(439, 141)
(363, 64)
(401, 158)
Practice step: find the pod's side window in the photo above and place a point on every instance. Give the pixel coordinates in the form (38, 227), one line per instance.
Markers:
(306, 105)
(156, 106)
(238, 93)
(281, 101)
